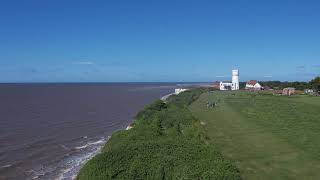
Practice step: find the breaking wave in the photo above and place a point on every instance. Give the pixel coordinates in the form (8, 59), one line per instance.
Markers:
(68, 167)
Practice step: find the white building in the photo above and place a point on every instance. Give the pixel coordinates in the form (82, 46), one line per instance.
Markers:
(226, 85)
(253, 84)
(233, 85)
(308, 91)
(178, 91)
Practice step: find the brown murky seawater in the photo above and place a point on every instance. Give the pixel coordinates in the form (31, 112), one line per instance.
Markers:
(47, 131)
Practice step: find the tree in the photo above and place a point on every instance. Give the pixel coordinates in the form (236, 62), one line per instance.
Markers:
(315, 83)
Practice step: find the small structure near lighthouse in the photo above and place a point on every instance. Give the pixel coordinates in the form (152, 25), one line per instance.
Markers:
(253, 85)
(233, 85)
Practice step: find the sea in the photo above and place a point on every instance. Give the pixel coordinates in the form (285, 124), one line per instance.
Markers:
(49, 131)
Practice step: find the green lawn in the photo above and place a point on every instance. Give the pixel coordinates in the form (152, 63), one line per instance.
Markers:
(267, 137)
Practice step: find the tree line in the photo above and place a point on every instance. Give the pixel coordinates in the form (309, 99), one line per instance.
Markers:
(313, 84)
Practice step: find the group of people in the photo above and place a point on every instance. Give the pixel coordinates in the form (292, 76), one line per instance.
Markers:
(211, 104)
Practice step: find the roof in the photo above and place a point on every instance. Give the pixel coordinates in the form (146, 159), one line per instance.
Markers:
(252, 82)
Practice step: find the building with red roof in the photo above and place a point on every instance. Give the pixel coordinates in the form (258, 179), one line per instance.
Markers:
(253, 85)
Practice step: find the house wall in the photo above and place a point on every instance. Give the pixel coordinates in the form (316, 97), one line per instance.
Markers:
(224, 86)
(256, 86)
(249, 86)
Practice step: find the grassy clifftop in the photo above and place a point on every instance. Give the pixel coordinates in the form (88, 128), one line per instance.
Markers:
(167, 142)
(268, 137)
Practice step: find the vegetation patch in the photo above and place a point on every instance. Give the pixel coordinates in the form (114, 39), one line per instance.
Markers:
(167, 142)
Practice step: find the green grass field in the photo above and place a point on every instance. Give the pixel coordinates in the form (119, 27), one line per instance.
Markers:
(267, 137)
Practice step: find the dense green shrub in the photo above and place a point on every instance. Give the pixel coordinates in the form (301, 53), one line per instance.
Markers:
(315, 83)
(186, 98)
(167, 142)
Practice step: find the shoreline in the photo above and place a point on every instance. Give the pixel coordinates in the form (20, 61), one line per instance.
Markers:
(70, 166)
(164, 98)
(128, 127)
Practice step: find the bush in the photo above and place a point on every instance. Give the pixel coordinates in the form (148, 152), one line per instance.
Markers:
(167, 142)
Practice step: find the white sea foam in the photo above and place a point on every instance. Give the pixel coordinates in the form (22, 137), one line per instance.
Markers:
(6, 166)
(102, 141)
(82, 147)
(74, 163)
(68, 168)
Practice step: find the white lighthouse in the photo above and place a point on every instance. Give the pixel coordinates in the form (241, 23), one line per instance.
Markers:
(235, 79)
(233, 85)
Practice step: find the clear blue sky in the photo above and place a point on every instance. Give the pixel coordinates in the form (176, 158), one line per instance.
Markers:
(167, 40)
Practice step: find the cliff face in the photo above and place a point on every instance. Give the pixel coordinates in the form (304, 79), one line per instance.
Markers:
(167, 142)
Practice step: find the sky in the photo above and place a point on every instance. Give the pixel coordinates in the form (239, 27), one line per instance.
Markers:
(158, 41)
